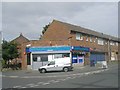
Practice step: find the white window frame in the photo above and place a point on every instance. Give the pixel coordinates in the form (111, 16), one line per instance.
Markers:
(86, 38)
(100, 41)
(90, 39)
(79, 36)
(116, 43)
(112, 43)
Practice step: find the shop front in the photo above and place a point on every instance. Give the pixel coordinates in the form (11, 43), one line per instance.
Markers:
(39, 56)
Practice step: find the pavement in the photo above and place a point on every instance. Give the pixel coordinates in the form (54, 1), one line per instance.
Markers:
(77, 69)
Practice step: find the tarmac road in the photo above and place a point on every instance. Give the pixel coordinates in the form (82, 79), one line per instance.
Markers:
(87, 77)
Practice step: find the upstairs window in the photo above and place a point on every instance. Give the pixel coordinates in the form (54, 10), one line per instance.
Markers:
(90, 39)
(112, 43)
(79, 36)
(116, 43)
(86, 38)
(100, 41)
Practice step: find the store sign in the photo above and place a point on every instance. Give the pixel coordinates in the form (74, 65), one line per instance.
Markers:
(57, 48)
(48, 49)
(79, 48)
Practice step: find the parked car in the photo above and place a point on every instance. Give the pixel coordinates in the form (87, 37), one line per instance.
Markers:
(60, 64)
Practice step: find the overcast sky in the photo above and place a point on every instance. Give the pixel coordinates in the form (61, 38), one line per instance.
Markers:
(29, 17)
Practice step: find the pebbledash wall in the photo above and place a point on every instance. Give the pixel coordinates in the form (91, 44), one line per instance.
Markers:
(102, 46)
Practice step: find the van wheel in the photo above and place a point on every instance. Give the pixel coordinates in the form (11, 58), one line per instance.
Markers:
(65, 69)
(43, 70)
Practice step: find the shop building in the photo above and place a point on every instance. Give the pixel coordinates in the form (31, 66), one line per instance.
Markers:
(102, 47)
(39, 56)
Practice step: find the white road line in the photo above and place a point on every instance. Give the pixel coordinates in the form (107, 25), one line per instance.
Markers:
(30, 84)
(23, 87)
(68, 77)
(16, 86)
(73, 77)
(45, 83)
(40, 82)
(13, 76)
(55, 81)
(51, 81)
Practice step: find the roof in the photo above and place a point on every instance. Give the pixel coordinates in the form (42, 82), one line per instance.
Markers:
(87, 31)
(20, 39)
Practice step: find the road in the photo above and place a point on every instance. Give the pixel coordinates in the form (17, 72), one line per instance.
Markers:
(79, 78)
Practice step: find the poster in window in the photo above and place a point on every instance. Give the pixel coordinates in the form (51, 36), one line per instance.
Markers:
(38, 59)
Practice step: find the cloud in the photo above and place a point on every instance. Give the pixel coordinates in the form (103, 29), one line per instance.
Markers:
(29, 18)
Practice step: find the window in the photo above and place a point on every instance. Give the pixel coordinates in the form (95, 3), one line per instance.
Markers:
(100, 41)
(112, 43)
(52, 63)
(58, 56)
(86, 38)
(39, 57)
(79, 36)
(90, 39)
(116, 43)
(61, 55)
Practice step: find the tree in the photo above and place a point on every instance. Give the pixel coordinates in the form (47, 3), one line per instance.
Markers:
(45, 28)
(9, 50)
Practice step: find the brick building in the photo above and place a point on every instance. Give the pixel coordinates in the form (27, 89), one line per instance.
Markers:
(102, 46)
(20, 40)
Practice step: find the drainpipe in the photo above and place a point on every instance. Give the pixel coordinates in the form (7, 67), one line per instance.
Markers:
(109, 50)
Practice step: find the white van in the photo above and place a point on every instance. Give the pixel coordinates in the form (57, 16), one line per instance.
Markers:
(60, 64)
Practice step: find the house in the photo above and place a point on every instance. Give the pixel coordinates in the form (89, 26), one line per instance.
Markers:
(102, 47)
(19, 41)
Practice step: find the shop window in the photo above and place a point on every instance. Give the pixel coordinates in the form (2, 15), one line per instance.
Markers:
(61, 55)
(44, 58)
(39, 58)
(57, 56)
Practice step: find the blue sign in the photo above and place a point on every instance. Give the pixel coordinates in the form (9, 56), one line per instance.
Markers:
(56, 48)
(79, 48)
(48, 49)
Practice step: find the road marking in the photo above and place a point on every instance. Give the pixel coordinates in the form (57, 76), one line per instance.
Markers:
(68, 77)
(45, 83)
(30, 84)
(40, 82)
(23, 87)
(55, 81)
(51, 81)
(16, 86)
(13, 76)
(61, 79)
(73, 77)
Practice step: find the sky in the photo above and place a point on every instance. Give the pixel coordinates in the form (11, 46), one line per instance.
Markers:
(29, 18)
